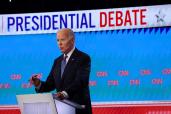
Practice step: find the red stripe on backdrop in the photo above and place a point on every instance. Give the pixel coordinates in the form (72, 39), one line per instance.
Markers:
(115, 110)
(133, 110)
(10, 111)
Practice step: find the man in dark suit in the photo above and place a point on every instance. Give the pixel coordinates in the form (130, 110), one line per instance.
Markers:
(69, 74)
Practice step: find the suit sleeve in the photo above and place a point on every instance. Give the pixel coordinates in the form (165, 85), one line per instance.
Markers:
(82, 77)
(49, 84)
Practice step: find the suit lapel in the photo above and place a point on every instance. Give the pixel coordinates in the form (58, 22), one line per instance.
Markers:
(69, 64)
(58, 73)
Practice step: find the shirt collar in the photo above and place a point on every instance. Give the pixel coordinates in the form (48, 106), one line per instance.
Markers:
(69, 54)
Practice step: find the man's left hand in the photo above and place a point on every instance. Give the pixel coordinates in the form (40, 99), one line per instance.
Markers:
(60, 95)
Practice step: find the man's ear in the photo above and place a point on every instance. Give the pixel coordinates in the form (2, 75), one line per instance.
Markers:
(73, 40)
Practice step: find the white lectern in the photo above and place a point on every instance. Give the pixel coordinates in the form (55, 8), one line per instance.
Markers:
(45, 104)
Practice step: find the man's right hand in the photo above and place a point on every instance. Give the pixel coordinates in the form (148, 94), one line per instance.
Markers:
(35, 80)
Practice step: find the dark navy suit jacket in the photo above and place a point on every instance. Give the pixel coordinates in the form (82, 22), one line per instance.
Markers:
(74, 80)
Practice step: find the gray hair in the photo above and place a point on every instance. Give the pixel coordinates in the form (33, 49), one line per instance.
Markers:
(69, 32)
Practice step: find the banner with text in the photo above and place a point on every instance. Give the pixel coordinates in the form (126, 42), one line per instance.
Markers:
(86, 20)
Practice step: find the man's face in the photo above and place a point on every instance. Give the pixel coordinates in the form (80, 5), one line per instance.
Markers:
(65, 43)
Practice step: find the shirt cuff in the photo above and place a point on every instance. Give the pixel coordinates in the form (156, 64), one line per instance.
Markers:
(65, 94)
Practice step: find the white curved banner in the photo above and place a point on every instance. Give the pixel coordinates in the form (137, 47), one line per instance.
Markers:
(86, 20)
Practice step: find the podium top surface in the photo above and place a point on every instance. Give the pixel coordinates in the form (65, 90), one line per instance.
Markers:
(75, 105)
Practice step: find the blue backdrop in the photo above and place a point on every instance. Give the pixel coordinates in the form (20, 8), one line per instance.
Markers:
(127, 65)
